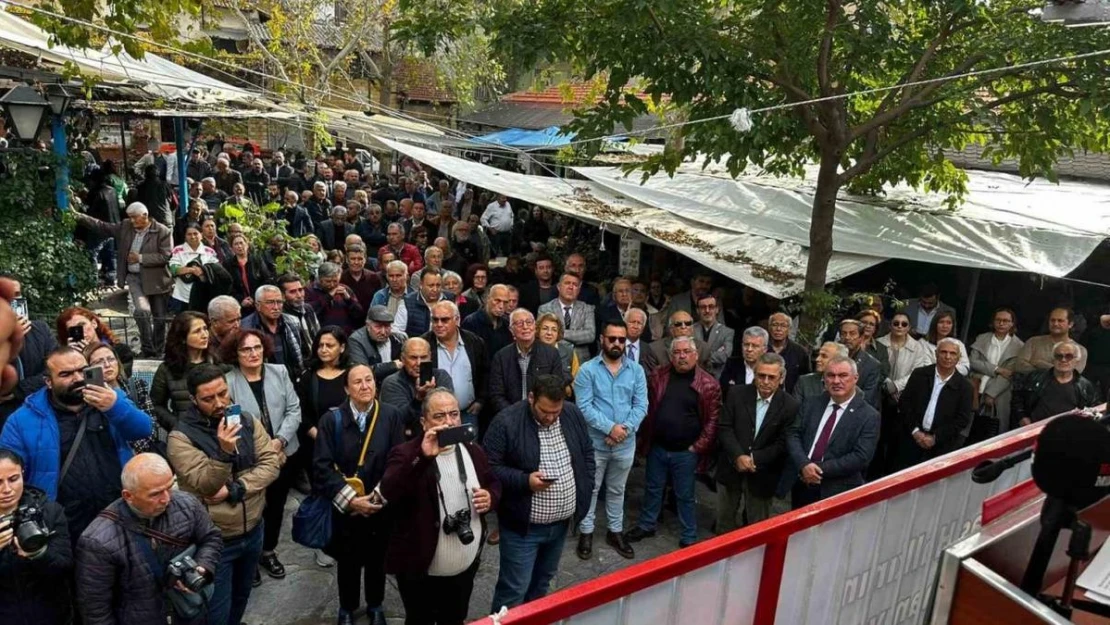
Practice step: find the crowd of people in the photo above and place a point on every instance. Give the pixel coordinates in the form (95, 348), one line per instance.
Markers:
(168, 501)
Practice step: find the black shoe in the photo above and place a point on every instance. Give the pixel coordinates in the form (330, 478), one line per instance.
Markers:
(637, 534)
(272, 566)
(376, 616)
(345, 618)
(257, 579)
(683, 544)
(620, 543)
(585, 546)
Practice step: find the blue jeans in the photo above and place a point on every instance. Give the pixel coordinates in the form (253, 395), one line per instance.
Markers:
(528, 562)
(612, 470)
(680, 465)
(234, 577)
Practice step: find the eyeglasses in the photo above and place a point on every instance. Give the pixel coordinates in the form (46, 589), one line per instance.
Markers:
(524, 323)
(272, 302)
(616, 339)
(780, 325)
(1065, 357)
(682, 324)
(441, 319)
(899, 324)
(104, 362)
(247, 349)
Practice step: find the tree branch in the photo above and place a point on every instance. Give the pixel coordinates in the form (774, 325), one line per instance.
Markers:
(261, 45)
(824, 55)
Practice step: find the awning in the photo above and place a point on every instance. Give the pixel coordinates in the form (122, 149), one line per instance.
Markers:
(551, 137)
(768, 265)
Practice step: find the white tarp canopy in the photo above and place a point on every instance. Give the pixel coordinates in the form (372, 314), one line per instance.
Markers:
(1005, 223)
(769, 265)
(152, 74)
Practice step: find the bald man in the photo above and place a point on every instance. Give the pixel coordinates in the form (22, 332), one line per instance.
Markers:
(405, 391)
(113, 582)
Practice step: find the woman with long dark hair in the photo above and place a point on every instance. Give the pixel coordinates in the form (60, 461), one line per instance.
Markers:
(248, 272)
(944, 327)
(186, 347)
(321, 389)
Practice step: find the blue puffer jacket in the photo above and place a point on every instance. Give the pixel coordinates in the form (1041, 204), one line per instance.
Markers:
(32, 432)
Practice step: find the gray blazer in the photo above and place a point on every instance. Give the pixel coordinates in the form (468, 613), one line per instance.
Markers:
(154, 255)
(720, 344)
(281, 401)
(583, 327)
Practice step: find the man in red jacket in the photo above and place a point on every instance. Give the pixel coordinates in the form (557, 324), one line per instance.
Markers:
(404, 252)
(680, 431)
(443, 495)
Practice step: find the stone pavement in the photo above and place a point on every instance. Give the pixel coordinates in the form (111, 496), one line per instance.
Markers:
(308, 596)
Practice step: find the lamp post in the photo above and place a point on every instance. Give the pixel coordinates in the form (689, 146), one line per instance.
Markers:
(59, 100)
(24, 113)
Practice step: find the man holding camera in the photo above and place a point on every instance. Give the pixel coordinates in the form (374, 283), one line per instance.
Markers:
(75, 438)
(434, 484)
(227, 462)
(152, 525)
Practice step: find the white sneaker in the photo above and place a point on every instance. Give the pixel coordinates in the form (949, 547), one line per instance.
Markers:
(323, 560)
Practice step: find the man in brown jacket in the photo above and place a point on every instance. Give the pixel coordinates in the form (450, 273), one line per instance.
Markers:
(143, 254)
(228, 466)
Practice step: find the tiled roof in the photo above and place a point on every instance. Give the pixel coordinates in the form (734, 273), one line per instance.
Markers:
(416, 80)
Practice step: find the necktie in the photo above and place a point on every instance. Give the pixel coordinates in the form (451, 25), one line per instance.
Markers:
(826, 433)
(566, 317)
(632, 353)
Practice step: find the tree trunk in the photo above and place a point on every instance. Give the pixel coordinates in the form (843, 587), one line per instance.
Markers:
(821, 222)
(385, 90)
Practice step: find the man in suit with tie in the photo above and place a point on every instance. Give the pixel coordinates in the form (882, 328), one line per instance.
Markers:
(716, 335)
(680, 324)
(934, 408)
(832, 441)
(577, 317)
(752, 434)
(636, 319)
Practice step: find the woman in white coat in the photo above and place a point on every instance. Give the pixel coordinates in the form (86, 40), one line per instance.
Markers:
(992, 354)
(265, 391)
(905, 352)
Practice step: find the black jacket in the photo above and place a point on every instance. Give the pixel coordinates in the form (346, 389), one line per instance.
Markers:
(37, 592)
(512, 445)
(504, 375)
(797, 363)
(495, 338)
(156, 195)
(114, 582)
(737, 436)
(1028, 394)
(950, 417)
(479, 362)
(325, 231)
(258, 273)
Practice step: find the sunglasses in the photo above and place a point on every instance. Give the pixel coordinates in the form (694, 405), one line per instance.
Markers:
(617, 339)
(899, 324)
(441, 319)
(683, 324)
(1064, 357)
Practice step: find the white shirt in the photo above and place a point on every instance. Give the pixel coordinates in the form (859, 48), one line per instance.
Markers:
(825, 417)
(497, 217)
(995, 349)
(925, 319)
(749, 374)
(931, 409)
(451, 557)
(385, 350)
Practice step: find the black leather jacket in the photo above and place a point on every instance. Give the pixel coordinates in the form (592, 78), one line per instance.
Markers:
(1028, 394)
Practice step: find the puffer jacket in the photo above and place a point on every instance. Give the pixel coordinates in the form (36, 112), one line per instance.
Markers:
(32, 432)
(170, 395)
(114, 580)
(203, 469)
(36, 592)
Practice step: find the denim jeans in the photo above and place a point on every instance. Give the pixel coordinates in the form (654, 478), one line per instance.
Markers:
(234, 577)
(612, 470)
(528, 562)
(680, 466)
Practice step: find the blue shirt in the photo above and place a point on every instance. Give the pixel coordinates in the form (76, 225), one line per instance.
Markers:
(761, 406)
(607, 400)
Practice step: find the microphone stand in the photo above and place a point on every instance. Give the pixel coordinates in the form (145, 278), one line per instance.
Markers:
(1056, 516)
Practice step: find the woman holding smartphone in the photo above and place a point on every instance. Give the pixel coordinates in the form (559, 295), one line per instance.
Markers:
(103, 356)
(265, 391)
(80, 327)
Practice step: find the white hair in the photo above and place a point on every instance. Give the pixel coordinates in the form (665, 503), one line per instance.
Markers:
(519, 311)
(397, 264)
(689, 340)
(210, 180)
(638, 311)
(338, 211)
(841, 360)
(957, 343)
(1068, 342)
(756, 332)
(319, 184)
(223, 160)
(260, 292)
(841, 349)
(143, 464)
(220, 305)
(134, 209)
(449, 305)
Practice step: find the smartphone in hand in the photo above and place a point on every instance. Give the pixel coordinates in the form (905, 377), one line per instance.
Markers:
(233, 415)
(94, 376)
(466, 433)
(76, 333)
(19, 307)
(426, 372)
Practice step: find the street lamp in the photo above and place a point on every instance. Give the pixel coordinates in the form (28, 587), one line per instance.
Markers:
(24, 112)
(59, 99)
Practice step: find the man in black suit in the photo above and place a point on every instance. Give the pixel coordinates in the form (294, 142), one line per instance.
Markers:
(934, 408)
(832, 441)
(796, 357)
(870, 372)
(507, 385)
(461, 354)
(542, 289)
(752, 433)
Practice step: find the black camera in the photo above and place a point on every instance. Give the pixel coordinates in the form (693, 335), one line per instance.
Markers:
(459, 523)
(183, 568)
(30, 530)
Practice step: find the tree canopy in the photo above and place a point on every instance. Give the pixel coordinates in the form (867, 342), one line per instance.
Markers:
(708, 57)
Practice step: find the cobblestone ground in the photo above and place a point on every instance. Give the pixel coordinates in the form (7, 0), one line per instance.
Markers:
(308, 596)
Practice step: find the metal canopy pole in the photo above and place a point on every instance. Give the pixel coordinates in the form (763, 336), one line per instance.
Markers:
(182, 166)
(973, 291)
(61, 150)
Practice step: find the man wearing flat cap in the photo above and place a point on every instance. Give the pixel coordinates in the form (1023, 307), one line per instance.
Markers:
(376, 345)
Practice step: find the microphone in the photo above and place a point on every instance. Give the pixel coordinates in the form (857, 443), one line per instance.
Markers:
(989, 470)
(1072, 460)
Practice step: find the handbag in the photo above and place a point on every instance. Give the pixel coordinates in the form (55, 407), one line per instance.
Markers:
(312, 522)
(984, 424)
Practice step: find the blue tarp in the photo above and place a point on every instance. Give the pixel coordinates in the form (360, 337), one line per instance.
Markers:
(551, 137)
